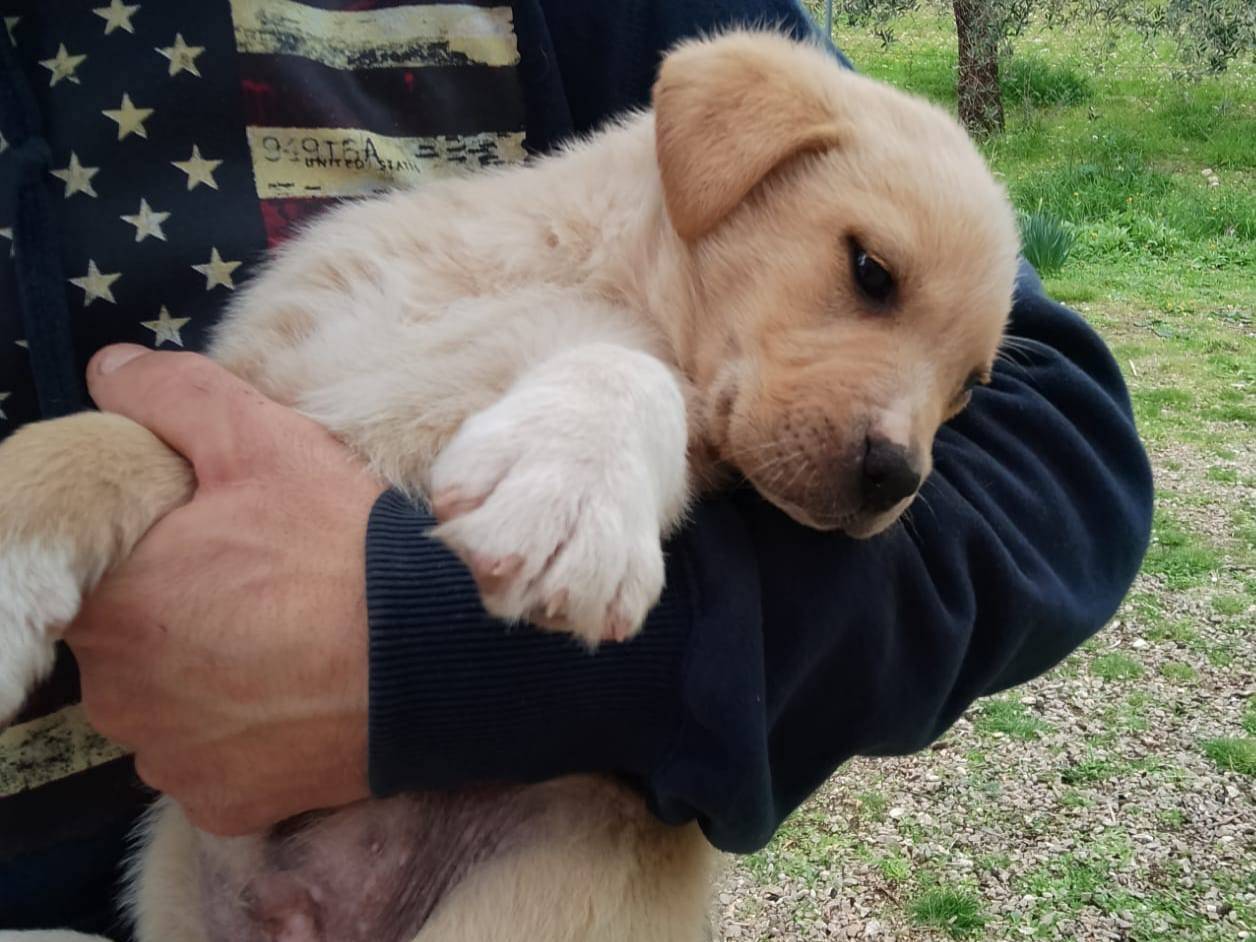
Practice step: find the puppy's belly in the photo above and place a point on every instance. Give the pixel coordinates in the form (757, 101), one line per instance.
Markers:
(372, 872)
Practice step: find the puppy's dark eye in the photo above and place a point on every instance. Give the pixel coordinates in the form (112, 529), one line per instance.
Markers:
(871, 276)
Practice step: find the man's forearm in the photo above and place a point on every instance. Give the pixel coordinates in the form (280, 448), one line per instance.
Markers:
(457, 696)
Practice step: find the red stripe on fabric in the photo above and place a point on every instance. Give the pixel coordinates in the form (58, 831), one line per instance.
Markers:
(281, 218)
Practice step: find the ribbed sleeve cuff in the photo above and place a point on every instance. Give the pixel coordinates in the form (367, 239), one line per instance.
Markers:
(457, 697)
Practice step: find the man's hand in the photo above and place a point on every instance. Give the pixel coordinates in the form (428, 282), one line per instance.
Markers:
(230, 650)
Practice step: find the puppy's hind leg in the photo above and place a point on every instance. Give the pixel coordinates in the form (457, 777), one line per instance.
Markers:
(76, 495)
(164, 882)
(597, 867)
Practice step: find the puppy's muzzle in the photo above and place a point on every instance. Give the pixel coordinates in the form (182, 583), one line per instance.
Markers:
(835, 483)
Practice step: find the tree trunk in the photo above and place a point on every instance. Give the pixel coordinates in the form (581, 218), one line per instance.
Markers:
(980, 98)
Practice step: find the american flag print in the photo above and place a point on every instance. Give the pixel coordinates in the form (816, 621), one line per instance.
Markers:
(183, 141)
(349, 102)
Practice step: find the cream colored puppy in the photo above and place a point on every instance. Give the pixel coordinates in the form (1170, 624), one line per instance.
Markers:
(785, 270)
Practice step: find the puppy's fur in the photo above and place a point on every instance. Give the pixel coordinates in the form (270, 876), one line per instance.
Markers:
(556, 357)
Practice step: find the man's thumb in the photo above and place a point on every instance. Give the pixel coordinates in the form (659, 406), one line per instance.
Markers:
(193, 404)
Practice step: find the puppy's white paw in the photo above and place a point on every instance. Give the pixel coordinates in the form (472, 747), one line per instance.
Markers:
(559, 531)
(39, 595)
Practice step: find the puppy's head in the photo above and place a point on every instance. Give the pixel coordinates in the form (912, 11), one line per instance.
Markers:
(853, 260)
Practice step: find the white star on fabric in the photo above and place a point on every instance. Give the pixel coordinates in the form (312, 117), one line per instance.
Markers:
(63, 65)
(95, 284)
(166, 328)
(4, 144)
(147, 223)
(217, 272)
(77, 178)
(198, 169)
(130, 119)
(23, 344)
(7, 233)
(117, 16)
(9, 23)
(182, 56)
(4, 396)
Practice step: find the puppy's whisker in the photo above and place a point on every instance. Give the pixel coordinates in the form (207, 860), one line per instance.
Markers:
(1021, 365)
(780, 472)
(755, 450)
(794, 477)
(770, 462)
(809, 483)
(778, 460)
(925, 501)
(1009, 357)
(782, 459)
(1015, 345)
(1010, 344)
(759, 447)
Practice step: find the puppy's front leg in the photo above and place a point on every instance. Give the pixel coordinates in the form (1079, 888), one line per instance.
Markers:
(558, 495)
(76, 495)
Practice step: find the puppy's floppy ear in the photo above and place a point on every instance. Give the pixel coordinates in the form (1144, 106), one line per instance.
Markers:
(727, 112)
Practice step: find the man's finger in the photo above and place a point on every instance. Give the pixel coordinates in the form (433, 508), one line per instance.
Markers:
(211, 417)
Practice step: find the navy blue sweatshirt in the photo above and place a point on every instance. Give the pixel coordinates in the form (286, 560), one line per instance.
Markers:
(775, 654)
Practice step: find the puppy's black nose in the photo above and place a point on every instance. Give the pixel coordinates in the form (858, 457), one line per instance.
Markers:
(889, 475)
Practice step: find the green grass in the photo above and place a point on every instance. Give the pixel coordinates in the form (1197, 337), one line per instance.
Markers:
(1222, 475)
(1180, 558)
(1178, 631)
(1033, 81)
(894, 869)
(872, 805)
(1178, 672)
(1083, 880)
(1130, 716)
(1075, 799)
(1172, 819)
(1249, 716)
(1119, 152)
(1234, 755)
(1113, 667)
(954, 911)
(1219, 655)
(1144, 606)
(804, 848)
(1073, 881)
(1008, 717)
(1045, 241)
(992, 863)
(1243, 523)
(1229, 604)
(1089, 770)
